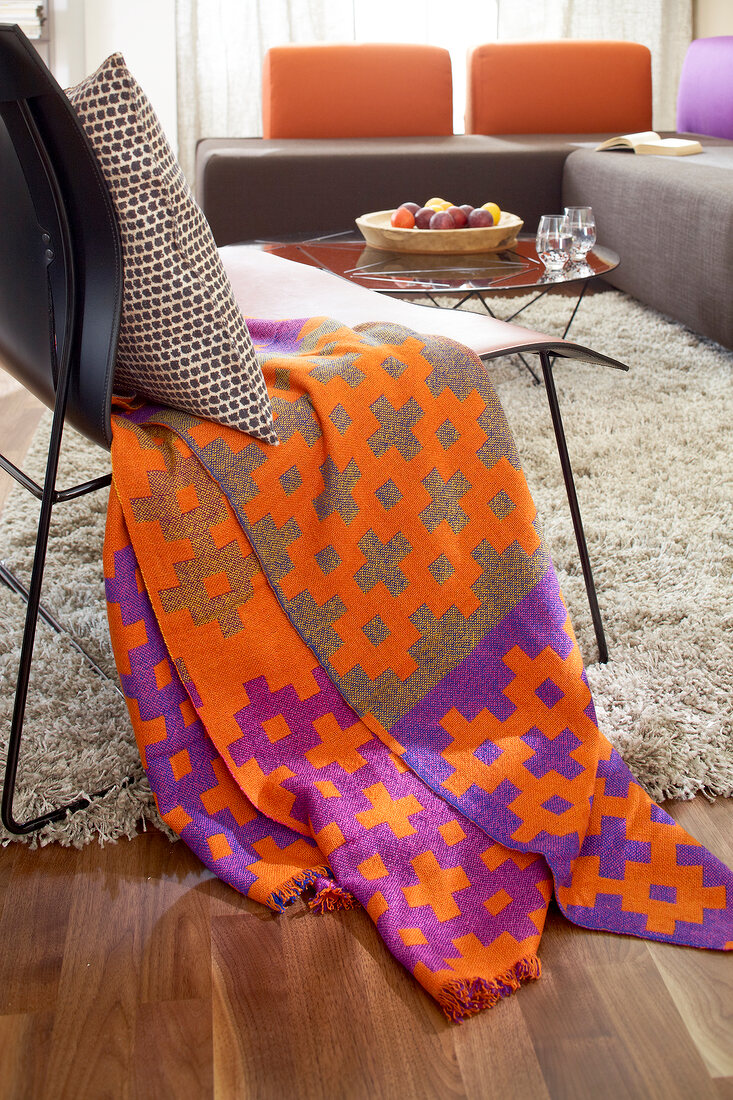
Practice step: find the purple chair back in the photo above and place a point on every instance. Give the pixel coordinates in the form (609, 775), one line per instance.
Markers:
(705, 96)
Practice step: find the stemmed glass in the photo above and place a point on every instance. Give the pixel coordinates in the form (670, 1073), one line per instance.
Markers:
(582, 230)
(553, 241)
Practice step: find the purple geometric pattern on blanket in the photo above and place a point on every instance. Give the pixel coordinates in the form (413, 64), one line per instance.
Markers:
(478, 683)
(282, 335)
(167, 703)
(338, 793)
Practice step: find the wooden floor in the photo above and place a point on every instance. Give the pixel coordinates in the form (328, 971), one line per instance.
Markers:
(129, 971)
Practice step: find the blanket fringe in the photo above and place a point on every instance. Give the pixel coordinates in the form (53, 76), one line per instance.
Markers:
(461, 999)
(332, 897)
(296, 886)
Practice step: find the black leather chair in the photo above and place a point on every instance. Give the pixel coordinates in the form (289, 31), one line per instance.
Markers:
(60, 299)
(61, 279)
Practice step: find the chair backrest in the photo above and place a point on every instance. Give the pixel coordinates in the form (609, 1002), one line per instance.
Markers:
(705, 94)
(572, 86)
(356, 89)
(60, 252)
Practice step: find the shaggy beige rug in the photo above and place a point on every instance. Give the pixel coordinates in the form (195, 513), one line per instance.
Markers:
(651, 452)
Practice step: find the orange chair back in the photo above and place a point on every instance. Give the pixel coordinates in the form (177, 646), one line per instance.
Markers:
(356, 89)
(571, 86)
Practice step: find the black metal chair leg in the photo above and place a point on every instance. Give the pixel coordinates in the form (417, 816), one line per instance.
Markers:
(32, 596)
(546, 361)
(20, 828)
(17, 827)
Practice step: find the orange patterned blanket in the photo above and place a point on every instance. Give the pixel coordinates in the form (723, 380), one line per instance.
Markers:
(352, 675)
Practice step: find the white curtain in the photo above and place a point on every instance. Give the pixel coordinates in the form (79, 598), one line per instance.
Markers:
(665, 26)
(221, 43)
(220, 46)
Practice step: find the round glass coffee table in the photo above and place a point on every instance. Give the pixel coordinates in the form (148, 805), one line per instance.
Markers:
(443, 278)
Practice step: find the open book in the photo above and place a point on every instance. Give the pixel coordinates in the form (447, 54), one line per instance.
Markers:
(651, 144)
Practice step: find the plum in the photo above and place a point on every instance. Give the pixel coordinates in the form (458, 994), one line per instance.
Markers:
(459, 215)
(413, 207)
(466, 208)
(442, 219)
(480, 219)
(423, 216)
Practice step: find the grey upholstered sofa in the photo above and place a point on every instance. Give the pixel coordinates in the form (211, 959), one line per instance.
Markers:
(671, 221)
(669, 218)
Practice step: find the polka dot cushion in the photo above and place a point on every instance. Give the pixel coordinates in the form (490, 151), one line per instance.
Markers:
(183, 340)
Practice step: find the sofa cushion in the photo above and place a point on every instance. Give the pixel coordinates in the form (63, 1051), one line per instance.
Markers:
(183, 340)
(588, 86)
(356, 89)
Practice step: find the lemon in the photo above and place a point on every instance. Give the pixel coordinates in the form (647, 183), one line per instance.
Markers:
(494, 210)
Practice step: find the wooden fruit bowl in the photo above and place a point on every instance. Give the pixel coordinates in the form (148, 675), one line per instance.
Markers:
(378, 233)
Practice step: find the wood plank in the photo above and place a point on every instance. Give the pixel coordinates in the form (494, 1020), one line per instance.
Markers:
(356, 1024)
(659, 1053)
(7, 861)
(252, 1043)
(607, 1027)
(94, 1027)
(496, 1047)
(399, 1044)
(573, 1038)
(33, 927)
(173, 1051)
(551, 1034)
(176, 957)
(700, 983)
(24, 1045)
(123, 895)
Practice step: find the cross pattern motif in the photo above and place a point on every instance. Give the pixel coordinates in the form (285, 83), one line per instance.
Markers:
(382, 563)
(444, 505)
(395, 428)
(388, 811)
(336, 496)
(437, 886)
(189, 514)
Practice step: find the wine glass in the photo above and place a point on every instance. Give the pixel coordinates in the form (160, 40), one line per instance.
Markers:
(553, 241)
(582, 230)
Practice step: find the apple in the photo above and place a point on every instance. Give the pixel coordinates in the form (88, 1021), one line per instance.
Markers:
(442, 219)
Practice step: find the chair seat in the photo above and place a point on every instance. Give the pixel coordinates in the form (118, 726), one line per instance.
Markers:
(272, 287)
